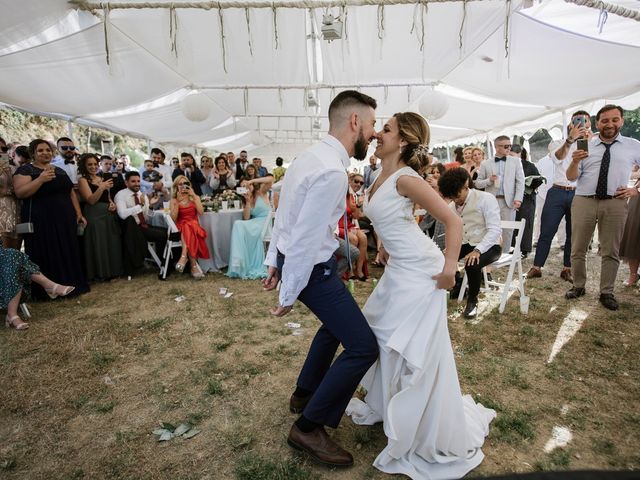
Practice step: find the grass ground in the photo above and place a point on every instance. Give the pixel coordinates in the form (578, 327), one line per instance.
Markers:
(84, 388)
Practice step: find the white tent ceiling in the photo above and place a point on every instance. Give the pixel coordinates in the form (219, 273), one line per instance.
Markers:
(54, 59)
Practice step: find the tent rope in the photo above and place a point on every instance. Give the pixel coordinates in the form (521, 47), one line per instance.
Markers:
(609, 8)
(464, 17)
(173, 30)
(105, 9)
(208, 5)
(246, 15)
(222, 41)
(275, 23)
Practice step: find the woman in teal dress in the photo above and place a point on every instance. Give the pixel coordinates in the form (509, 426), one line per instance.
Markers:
(16, 274)
(247, 251)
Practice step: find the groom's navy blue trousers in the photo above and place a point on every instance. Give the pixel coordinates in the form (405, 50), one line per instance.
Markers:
(342, 323)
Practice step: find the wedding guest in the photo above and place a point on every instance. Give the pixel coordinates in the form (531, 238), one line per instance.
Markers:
(158, 157)
(107, 172)
(16, 274)
(630, 244)
(222, 178)
(21, 156)
(51, 205)
(102, 237)
(8, 206)
(206, 167)
(481, 229)
(262, 171)
(159, 197)
(241, 163)
(356, 236)
(149, 176)
(188, 169)
(371, 171)
(279, 171)
(185, 208)
(246, 260)
(429, 224)
(250, 173)
(66, 160)
(133, 209)
(528, 208)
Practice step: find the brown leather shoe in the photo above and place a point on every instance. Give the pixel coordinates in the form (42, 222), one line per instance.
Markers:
(319, 446)
(534, 273)
(565, 274)
(297, 404)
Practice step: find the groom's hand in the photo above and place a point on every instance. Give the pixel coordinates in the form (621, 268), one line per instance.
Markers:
(281, 311)
(271, 282)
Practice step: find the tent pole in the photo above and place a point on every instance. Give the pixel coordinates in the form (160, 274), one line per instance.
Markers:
(70, 129)
(489, 149)
(564, 123)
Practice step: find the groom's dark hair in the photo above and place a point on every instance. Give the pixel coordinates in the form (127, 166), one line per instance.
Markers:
(453, 181)
(349, 98)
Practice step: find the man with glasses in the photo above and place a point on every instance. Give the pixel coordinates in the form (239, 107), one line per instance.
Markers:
(66, 158)
(504, 178)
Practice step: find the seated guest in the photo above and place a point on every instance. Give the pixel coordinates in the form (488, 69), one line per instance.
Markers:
(158, 197)
(16, 274)
(342, 265)
(247, 251)
(149, 176)
(188, 169)
(481, 228)
(185, 208)
(102, 244)
(356, 236)
(107, 173)
(222, 178)
(250, 173)
(429, 224)
(133, 208)
(158, 158)
(262, 171)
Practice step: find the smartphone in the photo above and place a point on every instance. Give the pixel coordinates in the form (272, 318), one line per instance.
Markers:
(583, 144)
(241, 190)
(579, 121)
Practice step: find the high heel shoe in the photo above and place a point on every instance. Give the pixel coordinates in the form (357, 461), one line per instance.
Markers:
(180, 264)
(196, 272)
(59, 291)
(11, 323)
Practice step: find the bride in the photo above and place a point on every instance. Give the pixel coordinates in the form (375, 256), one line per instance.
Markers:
(433, 431)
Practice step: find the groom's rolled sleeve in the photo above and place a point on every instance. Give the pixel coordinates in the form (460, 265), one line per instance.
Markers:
(314, 223)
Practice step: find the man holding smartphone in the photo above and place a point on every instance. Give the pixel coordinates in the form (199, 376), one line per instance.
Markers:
(602, 174)
(559, 198)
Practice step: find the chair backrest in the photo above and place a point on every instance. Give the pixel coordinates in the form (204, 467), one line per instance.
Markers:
(171, 225)
(519, 228)
(268, 226)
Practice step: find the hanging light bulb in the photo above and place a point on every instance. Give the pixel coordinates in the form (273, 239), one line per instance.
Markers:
(196, 107)
(433, 105)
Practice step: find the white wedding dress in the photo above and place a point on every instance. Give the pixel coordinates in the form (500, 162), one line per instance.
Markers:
(433, 431)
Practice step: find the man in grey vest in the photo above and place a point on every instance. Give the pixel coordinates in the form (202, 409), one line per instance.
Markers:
(481, 233)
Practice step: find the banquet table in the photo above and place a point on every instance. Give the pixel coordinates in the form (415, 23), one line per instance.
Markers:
(218, 226)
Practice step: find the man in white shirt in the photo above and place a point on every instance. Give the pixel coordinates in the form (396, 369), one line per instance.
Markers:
(66, 158)
(301, 255)
(481, 230)
(560, 197)
(133, 208)
(158, 157)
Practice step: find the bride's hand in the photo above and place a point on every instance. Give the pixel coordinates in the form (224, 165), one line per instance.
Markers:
(445, 280)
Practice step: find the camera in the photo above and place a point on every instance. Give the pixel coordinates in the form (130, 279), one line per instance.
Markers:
(241, 190)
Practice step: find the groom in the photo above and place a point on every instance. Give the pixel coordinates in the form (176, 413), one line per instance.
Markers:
(312, 202)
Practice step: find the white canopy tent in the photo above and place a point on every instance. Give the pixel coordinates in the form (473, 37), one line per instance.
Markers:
(504, 66)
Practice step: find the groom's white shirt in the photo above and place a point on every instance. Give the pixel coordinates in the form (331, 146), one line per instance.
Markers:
(312, 200)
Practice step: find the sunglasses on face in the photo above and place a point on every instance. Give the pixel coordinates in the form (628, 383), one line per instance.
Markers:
(358, 182)
(185, 184)
(65, 148)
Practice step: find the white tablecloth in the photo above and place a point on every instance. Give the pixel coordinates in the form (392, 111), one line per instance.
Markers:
(218, 226)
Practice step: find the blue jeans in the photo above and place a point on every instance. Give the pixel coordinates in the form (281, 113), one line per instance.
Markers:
(556, 205)
(343, 323)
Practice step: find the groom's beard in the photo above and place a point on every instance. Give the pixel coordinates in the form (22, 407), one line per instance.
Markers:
(361, 147)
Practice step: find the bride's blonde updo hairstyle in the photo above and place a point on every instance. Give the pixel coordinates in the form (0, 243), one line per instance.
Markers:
(414, 130)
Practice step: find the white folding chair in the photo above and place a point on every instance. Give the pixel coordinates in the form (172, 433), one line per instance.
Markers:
(173, 240)
(513, 260)
(267, 230)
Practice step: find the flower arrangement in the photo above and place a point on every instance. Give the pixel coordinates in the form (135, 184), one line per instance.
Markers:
(228, 195)
(209, 203)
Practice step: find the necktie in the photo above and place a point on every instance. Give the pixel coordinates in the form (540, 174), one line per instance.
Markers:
(601, 187)
(143, 222)
(501, 159)
(67, 162)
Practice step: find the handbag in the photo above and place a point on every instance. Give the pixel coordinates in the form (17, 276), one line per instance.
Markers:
(25, 227)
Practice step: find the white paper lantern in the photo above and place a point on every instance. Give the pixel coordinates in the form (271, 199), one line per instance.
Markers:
(196, 107)
(433, 105)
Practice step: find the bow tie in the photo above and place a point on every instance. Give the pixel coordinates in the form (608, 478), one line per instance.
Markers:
(67, 162)
(501, 159)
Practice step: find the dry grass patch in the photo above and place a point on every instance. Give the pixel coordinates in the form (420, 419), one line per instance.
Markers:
(84, 388)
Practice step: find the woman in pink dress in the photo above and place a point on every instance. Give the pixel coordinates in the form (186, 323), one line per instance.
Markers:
(185, 208)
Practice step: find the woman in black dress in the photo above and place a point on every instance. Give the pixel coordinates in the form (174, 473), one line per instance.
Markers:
(102, 237)
(51, 205)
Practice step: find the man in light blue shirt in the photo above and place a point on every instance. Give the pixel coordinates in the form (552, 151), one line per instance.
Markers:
(602, 172)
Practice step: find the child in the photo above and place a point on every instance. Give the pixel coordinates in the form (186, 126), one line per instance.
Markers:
(149, 177)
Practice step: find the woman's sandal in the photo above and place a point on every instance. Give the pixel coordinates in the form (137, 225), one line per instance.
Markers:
(179, 265)
(196, 271)
(59, 291)
(11, 323)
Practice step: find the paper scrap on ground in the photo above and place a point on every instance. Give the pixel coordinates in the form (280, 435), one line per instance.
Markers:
(168, 432)
(560, 437)
(296, 333)
(223, 291)
(228, 295)
(292, 325)
(181, 298)
(570, 326)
